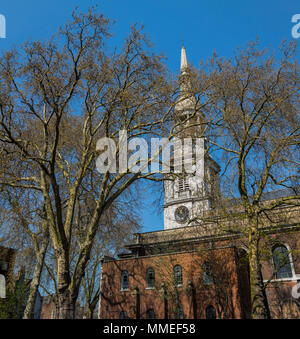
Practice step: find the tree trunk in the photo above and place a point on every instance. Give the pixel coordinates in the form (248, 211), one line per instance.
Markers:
(91, 307)
(68, 289)
(40, 256)
(65, 298)
(259, 302)
(90, 312)
(66, 305)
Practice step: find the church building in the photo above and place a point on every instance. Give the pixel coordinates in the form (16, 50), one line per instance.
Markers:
(196, 270)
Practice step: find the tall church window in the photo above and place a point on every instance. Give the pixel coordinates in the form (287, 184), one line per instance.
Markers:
(150, 314)
(282, 265)
(124, 280)
(123, 315)
(150, 278)
(210, 312)
(178, 275)
(207, 274)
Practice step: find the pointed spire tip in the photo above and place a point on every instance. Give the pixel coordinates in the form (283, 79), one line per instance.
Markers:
(183, 62)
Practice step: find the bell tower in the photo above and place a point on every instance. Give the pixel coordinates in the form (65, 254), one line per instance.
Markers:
(189, 193)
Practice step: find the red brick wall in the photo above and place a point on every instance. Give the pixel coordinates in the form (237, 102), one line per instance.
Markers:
(47, 308)
(231, 268)
(223, 261)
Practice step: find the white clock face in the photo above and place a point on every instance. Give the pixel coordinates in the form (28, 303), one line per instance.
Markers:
(181, 214)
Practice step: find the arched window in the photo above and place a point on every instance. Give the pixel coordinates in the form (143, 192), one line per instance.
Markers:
(2, 286)
(178, 275)
(211, 312)
(124, 280)
(150, 314)
(207, 274)
(123, 315)
(150, 278)
(282, 265)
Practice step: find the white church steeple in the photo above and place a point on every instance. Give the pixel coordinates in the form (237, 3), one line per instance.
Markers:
(188, 195)
(183, 61)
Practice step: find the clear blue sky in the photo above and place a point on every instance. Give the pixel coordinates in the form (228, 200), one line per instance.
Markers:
(203, 26)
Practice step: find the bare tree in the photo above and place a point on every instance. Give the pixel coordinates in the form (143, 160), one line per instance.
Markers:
(254, 125)
(118, 224)
(57, 99)
(28, 232)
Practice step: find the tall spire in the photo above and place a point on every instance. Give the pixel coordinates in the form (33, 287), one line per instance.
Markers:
(183, 62)
(186, 102)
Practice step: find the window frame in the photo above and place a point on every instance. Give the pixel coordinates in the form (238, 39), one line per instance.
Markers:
(178, 283)
(150, 286)
(210, 307)
(207, 277)
(179, 314)
(122, 281)
(290, 258)
(148, 312)
(125, 315)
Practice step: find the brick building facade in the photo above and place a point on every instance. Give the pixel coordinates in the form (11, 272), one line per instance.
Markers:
(213, 278)
(192, 270)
